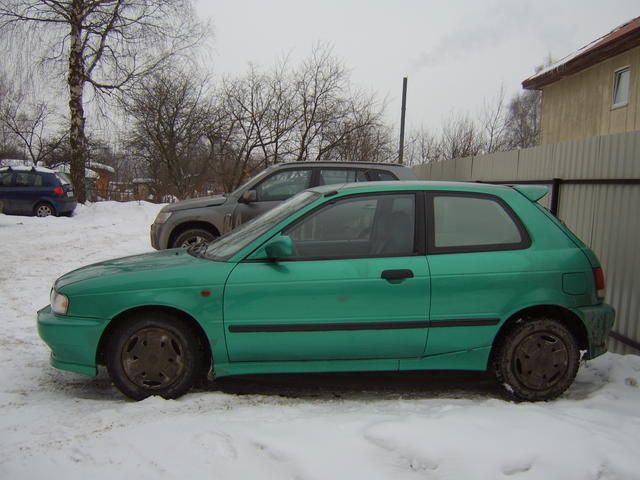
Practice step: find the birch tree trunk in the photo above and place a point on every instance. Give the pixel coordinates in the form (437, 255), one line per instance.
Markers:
(76, 81)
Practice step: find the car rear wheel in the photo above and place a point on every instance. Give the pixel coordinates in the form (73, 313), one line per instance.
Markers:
(537, 360)
(191, 237)
(154, 353)
(43, 209)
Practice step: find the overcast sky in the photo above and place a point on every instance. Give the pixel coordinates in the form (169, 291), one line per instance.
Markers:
(456, 53)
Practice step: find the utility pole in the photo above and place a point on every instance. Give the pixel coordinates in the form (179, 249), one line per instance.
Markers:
(402, 115)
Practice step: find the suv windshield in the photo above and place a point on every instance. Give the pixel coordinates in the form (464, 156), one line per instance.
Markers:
(231, 243)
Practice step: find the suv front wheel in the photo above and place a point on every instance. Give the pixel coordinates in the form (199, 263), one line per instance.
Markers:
(191, 237)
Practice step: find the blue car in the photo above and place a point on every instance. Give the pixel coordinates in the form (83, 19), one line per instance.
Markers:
(35, 191)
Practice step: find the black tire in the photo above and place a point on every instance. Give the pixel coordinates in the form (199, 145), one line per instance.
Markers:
(536, 360)
(44, 209)
(191, 237)
(154, 353)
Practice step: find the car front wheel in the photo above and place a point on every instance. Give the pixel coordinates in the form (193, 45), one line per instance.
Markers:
(154, 353)
(537, 360)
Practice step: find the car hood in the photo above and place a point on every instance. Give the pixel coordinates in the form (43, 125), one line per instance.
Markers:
(195, 203)
(148, 265)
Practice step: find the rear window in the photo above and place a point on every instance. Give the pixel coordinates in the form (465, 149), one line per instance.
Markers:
(64, 178)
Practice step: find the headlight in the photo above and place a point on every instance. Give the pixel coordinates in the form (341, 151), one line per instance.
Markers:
(59, 303)
(162, 217)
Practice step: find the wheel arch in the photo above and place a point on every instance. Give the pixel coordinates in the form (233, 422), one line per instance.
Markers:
(188, 225)
(44, 201)
(556, 312)
(181, 315)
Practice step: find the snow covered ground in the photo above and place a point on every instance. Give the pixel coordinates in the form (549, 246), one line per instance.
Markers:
(61, 425)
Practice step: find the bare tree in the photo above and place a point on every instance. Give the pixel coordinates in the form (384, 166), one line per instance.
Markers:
(460, 138)
(494, 127)
(523, 119)
(170, 114)
(356, 132)
(319, 84)
(245, 112)
(422, 147)
(107, 45)
(27, 122)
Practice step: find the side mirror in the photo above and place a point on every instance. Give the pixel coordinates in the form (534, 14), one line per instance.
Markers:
(280, 247)
(249, 196)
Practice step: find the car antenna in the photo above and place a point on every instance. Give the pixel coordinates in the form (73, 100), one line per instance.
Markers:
(331, 193)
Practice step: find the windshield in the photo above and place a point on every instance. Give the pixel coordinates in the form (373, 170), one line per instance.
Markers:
(231, 243)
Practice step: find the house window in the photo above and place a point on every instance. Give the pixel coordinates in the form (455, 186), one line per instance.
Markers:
(621, 78)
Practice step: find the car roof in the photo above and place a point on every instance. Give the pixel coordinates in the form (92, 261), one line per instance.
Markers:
(386, 165)
(347, 188)
(26, 169)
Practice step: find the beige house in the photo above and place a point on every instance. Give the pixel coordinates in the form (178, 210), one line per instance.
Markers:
(594, 91)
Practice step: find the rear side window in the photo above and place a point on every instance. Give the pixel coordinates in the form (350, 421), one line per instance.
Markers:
(468, 223)
(27, 179)
(331, 176)
(380, 176)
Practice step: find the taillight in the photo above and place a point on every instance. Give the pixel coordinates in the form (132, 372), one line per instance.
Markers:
(58, 191)
(598, 276)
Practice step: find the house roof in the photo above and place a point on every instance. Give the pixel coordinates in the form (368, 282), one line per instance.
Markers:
(619, 40)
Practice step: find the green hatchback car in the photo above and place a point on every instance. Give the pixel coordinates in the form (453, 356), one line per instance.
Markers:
(387, 276)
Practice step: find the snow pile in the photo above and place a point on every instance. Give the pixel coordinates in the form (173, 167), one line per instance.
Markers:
(371, 426)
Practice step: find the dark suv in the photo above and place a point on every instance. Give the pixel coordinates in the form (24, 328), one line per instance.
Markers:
(35, 191)
(188, 222)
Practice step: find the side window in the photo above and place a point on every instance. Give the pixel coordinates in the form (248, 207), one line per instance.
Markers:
(282, 185)
(5, 179)
(474, 223)
(26, 179)
(37, 179)
(331, 176)
(363, 226)
(381, 176)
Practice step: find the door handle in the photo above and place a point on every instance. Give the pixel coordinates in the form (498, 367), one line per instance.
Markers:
(396, 274)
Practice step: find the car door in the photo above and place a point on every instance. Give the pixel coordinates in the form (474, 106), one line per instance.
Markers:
(24, 195)
(271, 191)
(6, 188)
(357, 287)
(478, 262)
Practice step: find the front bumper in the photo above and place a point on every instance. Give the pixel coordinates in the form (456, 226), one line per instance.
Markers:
(156, 235)
(599, 320)
(73, 340)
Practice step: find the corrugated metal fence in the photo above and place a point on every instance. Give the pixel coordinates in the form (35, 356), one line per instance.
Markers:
(595, 191)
